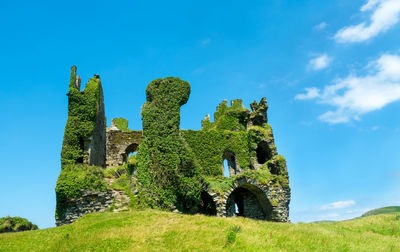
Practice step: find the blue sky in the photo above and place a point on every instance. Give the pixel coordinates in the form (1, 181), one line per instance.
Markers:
(329, 69)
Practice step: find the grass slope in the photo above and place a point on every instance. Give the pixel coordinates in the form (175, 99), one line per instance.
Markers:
(152, 230)
(383, 210)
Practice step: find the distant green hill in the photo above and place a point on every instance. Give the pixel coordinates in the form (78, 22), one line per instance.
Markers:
(152, 230)
(383, 210)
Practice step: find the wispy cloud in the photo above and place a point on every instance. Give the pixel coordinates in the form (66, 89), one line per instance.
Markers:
(338, 205)
(355, 95)
(320, 26)
(385, 14)
(319, 62)
(205, 42)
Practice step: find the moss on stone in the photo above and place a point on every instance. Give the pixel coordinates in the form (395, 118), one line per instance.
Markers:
(74, 178)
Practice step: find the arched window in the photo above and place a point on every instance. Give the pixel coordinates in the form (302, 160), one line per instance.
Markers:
(263, 152)
(226, 169)
(229, 164)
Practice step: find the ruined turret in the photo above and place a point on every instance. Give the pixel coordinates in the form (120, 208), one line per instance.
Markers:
(85, 131)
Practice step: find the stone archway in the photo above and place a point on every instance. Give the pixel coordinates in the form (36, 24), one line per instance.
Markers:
(247, 200)
(120, 144)
(129, 150)
(207, 205)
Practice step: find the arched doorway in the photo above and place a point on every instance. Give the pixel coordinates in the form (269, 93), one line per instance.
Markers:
(129, 157)
(207, 205)
(248, 201)
(131, 149)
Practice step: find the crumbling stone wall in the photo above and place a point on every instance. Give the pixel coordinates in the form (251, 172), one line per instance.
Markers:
(96, 147)
(120, 144)
(88, 202)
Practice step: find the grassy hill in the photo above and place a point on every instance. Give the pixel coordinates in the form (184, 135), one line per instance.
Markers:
(152, 230)
(383, 210)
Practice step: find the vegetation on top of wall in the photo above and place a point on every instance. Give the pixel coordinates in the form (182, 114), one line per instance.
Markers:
(228, 118)
(15, 224)
(74, 178)
(121, 123)
(166, 168)
(82, 112)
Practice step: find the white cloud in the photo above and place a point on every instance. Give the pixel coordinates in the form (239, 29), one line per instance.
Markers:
(319, 62)
(320, 26)
(311, 93)
(385, 14)
(354, 95)
(338, 205)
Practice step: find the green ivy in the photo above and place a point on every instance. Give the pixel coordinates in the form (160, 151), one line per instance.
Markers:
(73, 179)
(228, 118)
(209, 147)
(167, 171)
(82, 113)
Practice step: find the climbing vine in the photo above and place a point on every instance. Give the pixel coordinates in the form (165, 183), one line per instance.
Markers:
(167, 171)
(82, 112)
(82, 115)
(209, 147)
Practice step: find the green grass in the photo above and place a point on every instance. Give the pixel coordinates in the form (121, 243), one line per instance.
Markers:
(383, 210)
(152, 230)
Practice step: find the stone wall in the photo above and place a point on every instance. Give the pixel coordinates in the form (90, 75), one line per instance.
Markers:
(97, 146)
(119, 144)
(89, 202)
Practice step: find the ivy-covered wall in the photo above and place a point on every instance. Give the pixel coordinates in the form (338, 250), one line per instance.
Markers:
(83, 150)
(166, 168)
(85, 113)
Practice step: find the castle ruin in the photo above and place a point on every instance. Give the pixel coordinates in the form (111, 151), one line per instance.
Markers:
(115, 168)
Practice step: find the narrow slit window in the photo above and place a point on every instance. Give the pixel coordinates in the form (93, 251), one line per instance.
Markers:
(226, 169)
